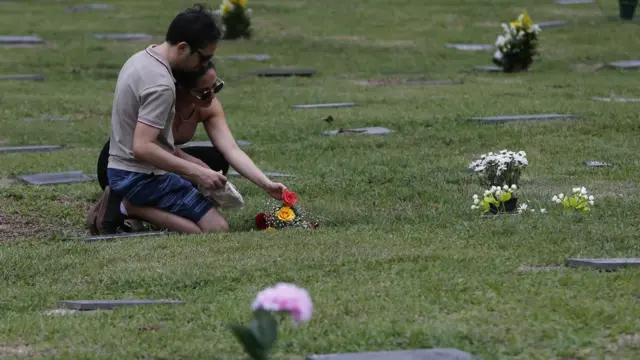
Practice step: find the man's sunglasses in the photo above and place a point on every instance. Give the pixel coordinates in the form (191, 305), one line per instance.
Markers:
(209, 93)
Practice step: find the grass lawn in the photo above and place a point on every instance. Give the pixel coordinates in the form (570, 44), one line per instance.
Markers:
(400, 260)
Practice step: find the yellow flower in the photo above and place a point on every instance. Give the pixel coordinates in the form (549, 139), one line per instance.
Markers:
(226, 7)
(526, 20)
(241, 3)
(285, 214)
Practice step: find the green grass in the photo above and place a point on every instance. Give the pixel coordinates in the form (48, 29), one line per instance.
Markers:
(401, 261)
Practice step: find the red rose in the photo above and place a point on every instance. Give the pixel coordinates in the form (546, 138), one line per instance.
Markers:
(289, 198)
(261, 221)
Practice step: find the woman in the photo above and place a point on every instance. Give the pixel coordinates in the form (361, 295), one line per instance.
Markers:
(189, 103)
(196, 103)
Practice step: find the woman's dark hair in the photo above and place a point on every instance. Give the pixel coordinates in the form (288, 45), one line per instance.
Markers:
(189, 79)
(196, 26)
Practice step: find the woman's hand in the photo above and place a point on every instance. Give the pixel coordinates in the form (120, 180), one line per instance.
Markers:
(275, 189)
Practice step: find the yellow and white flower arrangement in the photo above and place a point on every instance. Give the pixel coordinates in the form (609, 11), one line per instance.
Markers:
(518, 45)
(236, 19)
(496, 200)
(578, 201)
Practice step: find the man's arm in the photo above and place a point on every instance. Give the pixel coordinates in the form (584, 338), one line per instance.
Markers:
(155, 108)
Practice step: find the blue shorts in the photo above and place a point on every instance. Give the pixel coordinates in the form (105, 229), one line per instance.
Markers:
(168, 192)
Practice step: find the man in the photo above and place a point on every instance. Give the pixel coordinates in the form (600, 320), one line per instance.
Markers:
(147, 179)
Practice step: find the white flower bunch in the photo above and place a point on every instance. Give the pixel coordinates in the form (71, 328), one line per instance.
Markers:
(501, 168)
(517, 44)
(494, 196)
(580, 200)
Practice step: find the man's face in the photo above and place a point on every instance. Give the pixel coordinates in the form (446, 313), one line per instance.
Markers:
(194, 59)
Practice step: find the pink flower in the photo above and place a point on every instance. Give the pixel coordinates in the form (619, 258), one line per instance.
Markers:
(285, 297)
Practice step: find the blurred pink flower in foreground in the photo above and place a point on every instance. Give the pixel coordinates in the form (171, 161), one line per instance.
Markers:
(285, 297)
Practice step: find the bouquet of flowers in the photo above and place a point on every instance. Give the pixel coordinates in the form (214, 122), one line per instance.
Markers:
(260, 335)
(579, 201)
(500, 169)
(285, 214)
(497, 199)
(236, 18)
(517, 46)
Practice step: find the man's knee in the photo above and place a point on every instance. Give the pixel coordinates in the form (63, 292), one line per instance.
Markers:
(213, 221)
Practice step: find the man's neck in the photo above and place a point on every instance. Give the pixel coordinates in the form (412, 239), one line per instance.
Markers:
(165, 50)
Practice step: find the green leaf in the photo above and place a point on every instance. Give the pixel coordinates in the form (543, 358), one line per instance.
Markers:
(250, 343)
(265, 328)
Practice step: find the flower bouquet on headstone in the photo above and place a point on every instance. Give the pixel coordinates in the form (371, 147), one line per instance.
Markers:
(499, 169)
(578, 201)
(284, 214)
(258, 337)
(236, 19)
(518, 45)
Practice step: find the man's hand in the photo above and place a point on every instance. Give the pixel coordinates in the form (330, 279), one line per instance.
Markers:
(210, 179)
(275, 189)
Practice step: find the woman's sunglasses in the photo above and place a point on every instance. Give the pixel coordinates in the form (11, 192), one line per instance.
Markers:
(209, 93)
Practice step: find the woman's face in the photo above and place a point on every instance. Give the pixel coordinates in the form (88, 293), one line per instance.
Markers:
(204, 93)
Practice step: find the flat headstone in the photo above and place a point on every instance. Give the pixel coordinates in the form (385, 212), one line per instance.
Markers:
(325, 106)
(374, 130)
(123, 236)
(285, 72)
(267, 173)
(87, 7)
(470, 47)
(110, 304)
(123, 36)
(624, 64)
(6, 182)
(55, 178)
(488, 68)
(36, 77)
(46, 118)
(506, 118)
(256, 57)
(20, 40)
(426, 354)
(604, 264)
(615, 99)
(554, 23)
(594, 163)
(30, 148)
(396, 81)
(209, 144)
(573, 2)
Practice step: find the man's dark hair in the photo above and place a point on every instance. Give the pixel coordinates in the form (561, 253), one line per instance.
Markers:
(196, 26)
(189, 79)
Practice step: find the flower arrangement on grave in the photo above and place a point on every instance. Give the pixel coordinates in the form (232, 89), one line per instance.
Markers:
(496, 200)
(499, 169)
(578, 201)
(258, 337)
(518, 45)
(236, 19)
(284, 214)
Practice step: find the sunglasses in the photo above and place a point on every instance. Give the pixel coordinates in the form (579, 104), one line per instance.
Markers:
(209, 93)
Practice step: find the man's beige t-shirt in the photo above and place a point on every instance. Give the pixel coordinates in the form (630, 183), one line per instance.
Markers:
(145, 91)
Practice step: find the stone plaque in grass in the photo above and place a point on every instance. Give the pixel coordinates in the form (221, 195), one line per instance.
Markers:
(594, 163)
(422, 354)
(29, 148)
(604, 263)
(20, 40)
(47, 118)
(374, 130)
(325, 106)
(285, 72)
(205, 143)
(271, 174)
(88, 7)
(470, 47)
(401, 81)
(509, 118)
(489, 68)
(123, 236)
(36, 77)
(615, 99)
(55, 178)
(123, 36)
(551, 24)
(111, 304)
(573, 2)
(624, 64)
(256, 57)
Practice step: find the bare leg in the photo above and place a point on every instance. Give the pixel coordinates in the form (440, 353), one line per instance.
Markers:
(163, 219)
(213, 221)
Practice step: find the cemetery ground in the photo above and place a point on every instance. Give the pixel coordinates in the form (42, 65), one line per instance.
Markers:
(400, 260)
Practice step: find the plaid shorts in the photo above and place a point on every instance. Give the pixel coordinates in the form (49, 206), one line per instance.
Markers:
(168, 192)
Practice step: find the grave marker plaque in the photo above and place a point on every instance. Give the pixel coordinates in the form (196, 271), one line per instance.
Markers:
(426, 354)
(285, 72)
(29, 148)
(20, 40)
(573, 2)
(110, 304)
(551, 24)
(508, 118)
(123, 236)
(489, 68)
(604, 263)
(624, 64)
(123, 36)
(470, 47)
(374, 130)
(256, 57)
(87, 7)
(55, 178)
(594, 163)
(36, 77)
(325, 106)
